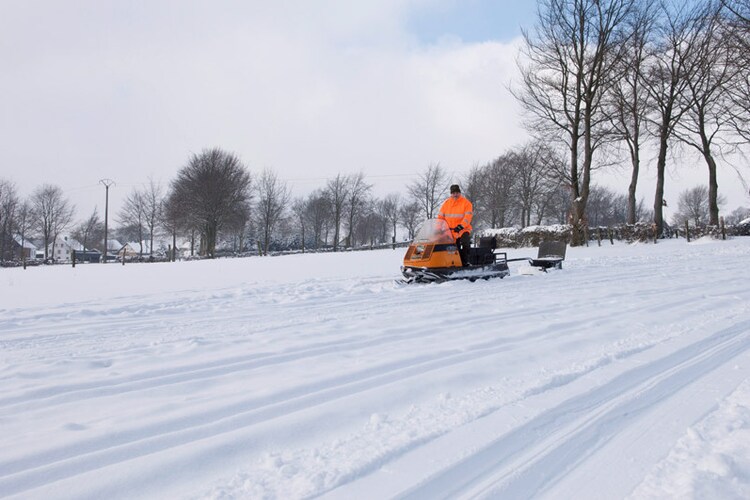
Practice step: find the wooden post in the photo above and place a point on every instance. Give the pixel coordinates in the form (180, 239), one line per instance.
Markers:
(687, 231)
(611, 236)
(599, 235)
(73, 260)
(723, 228)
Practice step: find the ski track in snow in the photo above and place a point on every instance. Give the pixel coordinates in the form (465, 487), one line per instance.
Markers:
(356, 387)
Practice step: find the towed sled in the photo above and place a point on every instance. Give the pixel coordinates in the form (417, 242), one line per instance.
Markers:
(433, 257)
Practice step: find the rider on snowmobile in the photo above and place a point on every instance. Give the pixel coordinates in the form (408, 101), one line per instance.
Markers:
(457, 211)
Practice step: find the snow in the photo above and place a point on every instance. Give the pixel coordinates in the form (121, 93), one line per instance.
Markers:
(626, 374)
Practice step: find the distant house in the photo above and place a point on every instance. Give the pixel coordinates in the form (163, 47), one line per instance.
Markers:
(129, 251)
(113, 247)
(161, 247)
(63, 248)
(116, 250)
(23, 248)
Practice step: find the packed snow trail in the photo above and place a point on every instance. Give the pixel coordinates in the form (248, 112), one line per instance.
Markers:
(524, 462)
(315, 375)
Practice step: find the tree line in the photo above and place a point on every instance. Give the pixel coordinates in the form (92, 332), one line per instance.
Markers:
(217, 205)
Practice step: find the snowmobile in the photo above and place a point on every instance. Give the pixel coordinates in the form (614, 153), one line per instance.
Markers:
(433, 257)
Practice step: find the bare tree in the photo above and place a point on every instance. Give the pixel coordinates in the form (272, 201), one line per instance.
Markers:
(153, 200)
(738, 36)
(410, 217)
(8, 207)
(213, 190)
(693, 205)
(370, 225)
(552, 207)
(356, 202)
(319, 215)
(666, 83)
(390, 208)
(173, 220)
(24, 220)
(608, 208)
(337, 192)
(740, 9)
(52, 214)
(240, 229)
(299, 209)
(538, 171)
(628, 100)
(378, 215)
(569, 62)
(429, 189)
(273, 200)
(738, 215)
(473, 188)
(707, 97)
(132, 216)
(90, 230)
(498, 193)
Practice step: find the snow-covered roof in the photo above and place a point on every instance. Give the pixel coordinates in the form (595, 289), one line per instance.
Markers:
(113, 244)
(67, 242)
(24, 242)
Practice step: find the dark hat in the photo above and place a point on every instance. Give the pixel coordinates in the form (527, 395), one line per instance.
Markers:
(455, 188)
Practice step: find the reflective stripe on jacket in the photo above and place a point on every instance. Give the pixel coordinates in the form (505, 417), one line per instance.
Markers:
(457, 211)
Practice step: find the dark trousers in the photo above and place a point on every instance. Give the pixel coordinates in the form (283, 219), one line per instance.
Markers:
(464, 243)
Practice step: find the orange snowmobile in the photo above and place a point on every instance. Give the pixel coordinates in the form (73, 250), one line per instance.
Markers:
(433, 257)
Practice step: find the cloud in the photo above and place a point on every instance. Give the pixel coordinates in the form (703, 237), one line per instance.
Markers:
(127, 90)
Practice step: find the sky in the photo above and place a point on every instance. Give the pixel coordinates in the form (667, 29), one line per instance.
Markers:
(127, 91)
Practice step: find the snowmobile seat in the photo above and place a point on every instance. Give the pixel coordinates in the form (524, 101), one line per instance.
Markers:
(481, 256)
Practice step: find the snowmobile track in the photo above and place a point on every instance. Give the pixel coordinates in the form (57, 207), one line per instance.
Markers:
(560, 438)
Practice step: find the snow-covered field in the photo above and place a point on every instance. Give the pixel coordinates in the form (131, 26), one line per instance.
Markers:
(625, 374)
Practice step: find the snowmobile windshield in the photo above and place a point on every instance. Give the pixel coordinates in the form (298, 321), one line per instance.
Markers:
(434, 231)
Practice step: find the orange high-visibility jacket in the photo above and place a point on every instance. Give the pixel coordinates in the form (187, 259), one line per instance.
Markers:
(455, 212)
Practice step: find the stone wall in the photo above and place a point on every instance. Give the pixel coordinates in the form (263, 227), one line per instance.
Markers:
(510, 237)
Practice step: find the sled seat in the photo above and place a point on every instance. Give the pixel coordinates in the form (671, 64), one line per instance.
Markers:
(551, 255)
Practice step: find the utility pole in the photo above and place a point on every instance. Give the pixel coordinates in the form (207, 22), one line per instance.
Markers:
(106, 183)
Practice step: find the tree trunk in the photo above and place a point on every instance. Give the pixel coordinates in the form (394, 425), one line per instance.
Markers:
(636, 162)
(658, 197)
(576, 208)
(661, 164)
(713, 185)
